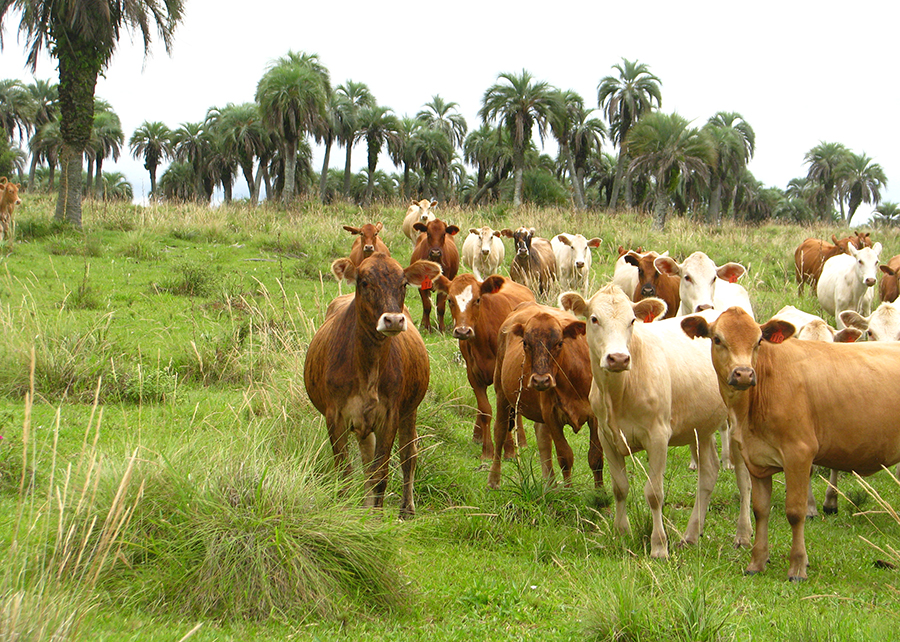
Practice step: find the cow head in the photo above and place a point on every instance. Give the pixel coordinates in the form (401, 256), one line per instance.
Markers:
(580, 250)
(881, 325)
(866, 263)
(367, 234)
(648, 275)
(698, 275)
(611, 317)
(736, 340)
(543, 337)
(11, 192)
(521, 239)
(381, 289)
(435, 236)
(422, 209)
(485, 237)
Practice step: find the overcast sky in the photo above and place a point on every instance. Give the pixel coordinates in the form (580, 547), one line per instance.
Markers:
(798, 72)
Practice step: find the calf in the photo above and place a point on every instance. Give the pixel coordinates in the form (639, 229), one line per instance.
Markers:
(881, 325)
(625, 275)
(573, 260)
(367, 242)
(483, 252)
(653, 283)
(436, 244)
(705, 285)
(811, 254)
(479, 309)
(417, 213)
(888, 287)
(9, 199)
(653, 390)
(367, 371)
(543, 374)
(847, 281)
(534, 264)
(793, 412)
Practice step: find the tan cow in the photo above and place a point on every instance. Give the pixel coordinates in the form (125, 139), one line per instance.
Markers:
(483, 251)
(887, 288)
(534, 264)
(367, 371)
(417, 213)
(435, 243)
(653, 283)
(367, 242)
(9, 199)
(811, 254)
(793, 412)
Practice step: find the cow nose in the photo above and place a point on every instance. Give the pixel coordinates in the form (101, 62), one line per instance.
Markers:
(702, 307)
(522, 250)
(742, 378)
(870, 282)
(391, 323)
(435, 255)
(463, 332)
(541, 382)
(579, 264)
(485, 252)
(618, 361)
(368, 249)
(648, 290)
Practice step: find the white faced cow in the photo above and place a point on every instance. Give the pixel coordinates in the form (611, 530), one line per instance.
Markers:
(483, 252)
(705, 285)
(848, 281)
(417, 213)
(573, 260)
(881, 325)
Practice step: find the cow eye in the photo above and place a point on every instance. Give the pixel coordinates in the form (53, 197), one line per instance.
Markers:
(594, 320)
(869, 334)
(477, 301)
(688, 279)
(717, 341)
(633, 321)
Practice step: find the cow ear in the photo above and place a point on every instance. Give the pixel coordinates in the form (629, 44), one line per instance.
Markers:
(695, 327)
(378, 227)
(344, 269)
(420, 227)
(565, 240)
(574, 303)
(433, 204)
(496, 233)
(877, 249)
(422, 272)
(621, 250)
(492, 284)
(517, 329)
(667, 265)
(649, 309)
(574, 330)
(834, 239)
(887, 270)
(452, 230)
(442, 284)
(352, 230)
(847, 335)
(776, 330)
(632, 259)
(508, 233)
(731, 272)
(853, 319)
(472, 230)
(595, 242)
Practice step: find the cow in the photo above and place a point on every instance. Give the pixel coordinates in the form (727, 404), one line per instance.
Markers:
(436, 244)
(705, 285)
(543, 373)
(653, 283)
(534, 264)
(9, 199)
(793, 412)
(483, 252)
(573, 260)
(367, 242)
(479, 308)
(881, 325)
(417, 213)
(625, 275)
(887, 288)
(811, 254)
(847, 281)
(653, 390)
(367, 371)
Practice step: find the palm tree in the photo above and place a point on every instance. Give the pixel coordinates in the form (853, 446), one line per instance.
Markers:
(191, 145)
(567, 107)
(824, 159)
(82, 36)
(245, 138)
(439, 114)
(45, 98)
(433, 153)
(106, 142)
(860, 180)
(351, 98)
(887, 213)
(490, 150)
(519, 104)
(45, 144)
(402, 150)
(17, 109)
(116, 187)
(222, 162)
(292, 96)
(152, 141)
(735, 142)
(378, 126)
(665, 146)
(586, 137)
(625, 99)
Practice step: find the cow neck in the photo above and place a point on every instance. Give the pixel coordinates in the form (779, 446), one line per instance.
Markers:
(372, 347)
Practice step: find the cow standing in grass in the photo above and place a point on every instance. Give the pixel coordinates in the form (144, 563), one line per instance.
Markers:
(367, 242)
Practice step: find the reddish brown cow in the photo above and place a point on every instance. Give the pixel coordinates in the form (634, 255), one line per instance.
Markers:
(811, 254)
(367, 371)
(799, 403)
(367, 242)
(435, 243)
(888, 287)
(479, 309)
(534, 264)
(9, 199)
(653, 283)
(543, 372)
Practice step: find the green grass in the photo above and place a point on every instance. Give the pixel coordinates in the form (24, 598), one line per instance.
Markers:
(163, 473)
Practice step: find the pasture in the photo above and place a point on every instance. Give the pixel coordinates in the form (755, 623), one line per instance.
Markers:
(163, 475)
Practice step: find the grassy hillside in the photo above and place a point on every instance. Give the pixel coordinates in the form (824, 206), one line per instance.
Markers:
(163, 475)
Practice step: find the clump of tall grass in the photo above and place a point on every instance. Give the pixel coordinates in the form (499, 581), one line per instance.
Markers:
(190, 278)
(139, 245)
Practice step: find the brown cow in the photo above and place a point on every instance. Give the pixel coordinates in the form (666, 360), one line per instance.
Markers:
(792, 412)
(367, 242)
(367, 371)
(436, 244)
(534, 264)
(9, 199)
(653, 283)
(888, 287)
(811, 254)
(543, 372)
(479, 309)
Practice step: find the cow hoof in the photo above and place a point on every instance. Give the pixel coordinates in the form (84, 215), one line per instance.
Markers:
(741, 543)
(750, 573)
(828, 510)
(796, 578)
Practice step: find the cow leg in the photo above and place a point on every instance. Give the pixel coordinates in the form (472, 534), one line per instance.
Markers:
(830, 505)
(706, 479)
(761, 494)
(337, 435)
(654, 493)
(693, 464)
(377, 473)
(595, 452)
(564, 455)
(367, 450)
(725, 458)
(619, 477)
(481, 432)
(742, 480)
(811, 510)
(409, 452)
(425, 295)
(503, 422)
(522, 441)
(441, 307)
(544, 440)
(796, 483)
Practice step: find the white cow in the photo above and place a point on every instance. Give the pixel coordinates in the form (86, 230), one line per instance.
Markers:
(881, 325)
(625, 275)
(417, 213)
(573, 260)
(705, 285)
(651, 391)
(483, 252)
(847, 281)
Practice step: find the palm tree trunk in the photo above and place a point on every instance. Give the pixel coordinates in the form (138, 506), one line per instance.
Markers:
(257, 184)
(290, 167)
(32, 171)
(715, 201)
(88, 186)
(519, 180)
(660, 206)
(68, 203)
(323, 180)
(347, 170)
(98, 177)
(247, 171)
(617, 181)
(152, 171)
(573, 178)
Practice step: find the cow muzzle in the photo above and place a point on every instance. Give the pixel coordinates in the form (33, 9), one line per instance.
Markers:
(435, 255)
(579, 265)
(368, 250)
(521, 250)
(463, 332)
(870, 282)
(648, 290)
(618, 362)
(702, 307)
(541, 382)
(485, 252)
(391, 323)
(742, 377)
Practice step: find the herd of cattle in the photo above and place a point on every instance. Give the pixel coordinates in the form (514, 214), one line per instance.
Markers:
(667, 354)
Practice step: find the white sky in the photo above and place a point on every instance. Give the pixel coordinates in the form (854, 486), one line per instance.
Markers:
(799, 72)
